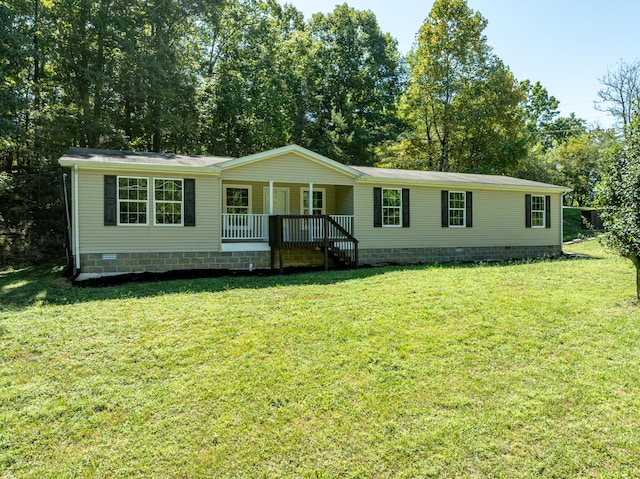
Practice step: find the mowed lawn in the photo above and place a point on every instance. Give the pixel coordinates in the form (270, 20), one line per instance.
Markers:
(503, 370)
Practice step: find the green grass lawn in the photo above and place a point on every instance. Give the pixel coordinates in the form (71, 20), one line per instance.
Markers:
(504, 370)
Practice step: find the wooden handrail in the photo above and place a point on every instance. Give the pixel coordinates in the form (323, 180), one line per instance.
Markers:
(298, 235)
(339, 227)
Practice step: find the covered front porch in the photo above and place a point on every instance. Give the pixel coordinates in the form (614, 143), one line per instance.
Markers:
(248, 206)
(278, 216)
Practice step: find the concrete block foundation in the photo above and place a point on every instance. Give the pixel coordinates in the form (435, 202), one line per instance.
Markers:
(98, 264)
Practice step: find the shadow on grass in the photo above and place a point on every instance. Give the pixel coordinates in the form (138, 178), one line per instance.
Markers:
(44, 284)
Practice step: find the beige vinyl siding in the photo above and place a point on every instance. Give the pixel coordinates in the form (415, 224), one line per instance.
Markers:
(97, 238)
(498, 220)
(258, 205)
(344, 200)
(287, 168)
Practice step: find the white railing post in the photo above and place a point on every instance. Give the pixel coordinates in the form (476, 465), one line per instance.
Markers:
(346, 221)
(256, 227)
(244, 227)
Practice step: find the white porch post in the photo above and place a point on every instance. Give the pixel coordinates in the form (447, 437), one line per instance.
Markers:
(310, 198)
(270, 198)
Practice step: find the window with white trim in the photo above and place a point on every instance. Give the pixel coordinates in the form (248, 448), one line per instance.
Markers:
(457, 209)
(537, 211)
(237, 199)
(318, 201)
(391, 207)
(133, 200)
(168, 201)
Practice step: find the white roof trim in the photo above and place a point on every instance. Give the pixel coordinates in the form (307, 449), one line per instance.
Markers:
(323, 160)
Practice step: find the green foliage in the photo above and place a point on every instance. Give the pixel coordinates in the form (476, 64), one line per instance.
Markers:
(252, 98)
(355, 84)
(462, 103)
(540, 108)
(543, 124)
(576, 165)
(575, 162)
(574, 225)
(561, 150)
(620, 197)
(32, 224)
(512, 370)
(330, 85)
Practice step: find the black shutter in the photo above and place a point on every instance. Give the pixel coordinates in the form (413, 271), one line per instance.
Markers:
(377, 207)
(110, 200)
(469, 205)
(527, 211)
(547, 211)
(444, 195)
(405, 208)
(189, 202)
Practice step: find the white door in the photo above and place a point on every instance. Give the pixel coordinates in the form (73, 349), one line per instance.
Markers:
(280, 201)
(280, 205)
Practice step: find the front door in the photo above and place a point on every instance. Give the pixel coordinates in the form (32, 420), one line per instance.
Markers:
(280, 201)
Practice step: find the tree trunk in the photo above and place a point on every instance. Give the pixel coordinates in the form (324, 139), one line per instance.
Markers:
(636, 263)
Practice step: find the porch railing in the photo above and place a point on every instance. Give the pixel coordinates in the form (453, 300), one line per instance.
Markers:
(346, 221)
(245, 227)
(255, 227)
(304, 231)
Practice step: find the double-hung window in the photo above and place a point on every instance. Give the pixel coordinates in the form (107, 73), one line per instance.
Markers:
(391, 207)
(168, 201)
(457, 209)
(133, 200)
(537, 211)
(318, 202)
(237, 200)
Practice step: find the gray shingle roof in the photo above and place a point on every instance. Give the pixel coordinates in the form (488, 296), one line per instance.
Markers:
(445, 177)
(91, 155)
(141, 158)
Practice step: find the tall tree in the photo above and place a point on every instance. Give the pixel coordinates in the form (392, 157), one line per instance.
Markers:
(463, 104)
(251, 80)
(271, 79)
(620, 198)
(29, 195)
(576, 164)
(12, 67)
(354, 84)
(621, 91)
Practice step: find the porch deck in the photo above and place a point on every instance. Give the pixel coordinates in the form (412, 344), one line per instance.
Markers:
(333, 234)
(305, 228)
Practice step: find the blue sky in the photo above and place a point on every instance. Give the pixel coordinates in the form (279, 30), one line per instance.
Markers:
(567, 45)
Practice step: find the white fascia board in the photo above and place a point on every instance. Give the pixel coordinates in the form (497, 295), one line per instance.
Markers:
(459, 185)
(303, 152)
(123, 167)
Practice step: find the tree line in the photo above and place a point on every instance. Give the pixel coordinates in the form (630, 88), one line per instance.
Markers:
(234, 77)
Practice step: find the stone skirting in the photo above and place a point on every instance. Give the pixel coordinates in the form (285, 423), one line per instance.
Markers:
(454, 255)
(97, 264)
(123, 263)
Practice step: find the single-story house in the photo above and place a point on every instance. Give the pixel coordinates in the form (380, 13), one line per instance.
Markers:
(154, 212)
